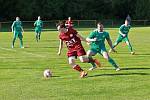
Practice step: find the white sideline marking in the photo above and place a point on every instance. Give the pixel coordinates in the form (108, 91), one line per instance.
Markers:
(22, 52)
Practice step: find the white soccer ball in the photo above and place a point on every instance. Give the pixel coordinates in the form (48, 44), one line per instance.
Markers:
(47, 73)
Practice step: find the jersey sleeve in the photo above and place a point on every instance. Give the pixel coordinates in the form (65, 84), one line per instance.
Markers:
(121, 28)
(73, 31)
(107, 35)
(12, 26)
(92, 35)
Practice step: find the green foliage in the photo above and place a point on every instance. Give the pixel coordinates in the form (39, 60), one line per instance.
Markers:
(78, 9)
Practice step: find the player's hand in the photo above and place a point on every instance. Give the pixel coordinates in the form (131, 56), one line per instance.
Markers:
(88, 43)
(95, 39)
(124, 35)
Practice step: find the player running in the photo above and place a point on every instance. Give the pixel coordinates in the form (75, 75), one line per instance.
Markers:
(38, 28)
(69, 23)
(17, 31)
(75, 48)
(97, 39)
(123, 36)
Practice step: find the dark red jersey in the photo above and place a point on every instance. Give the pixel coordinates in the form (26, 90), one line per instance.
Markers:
(71, 39)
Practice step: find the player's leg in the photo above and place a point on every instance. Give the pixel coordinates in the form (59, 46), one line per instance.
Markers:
(118, 40)
(36, 35)
(129, 45)
(110, 60)
(85, 59)
(21, 41)
(76, 67)
(89, 54)
(14, 39)
(39, 35)
(71, 58)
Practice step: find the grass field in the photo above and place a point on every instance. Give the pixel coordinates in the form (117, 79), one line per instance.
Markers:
(21, 70)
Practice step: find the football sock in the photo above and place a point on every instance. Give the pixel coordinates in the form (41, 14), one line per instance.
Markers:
(92, 61)
(112, 62)
(78, 68)
(13, 42)
(130, 47)
(21, 43)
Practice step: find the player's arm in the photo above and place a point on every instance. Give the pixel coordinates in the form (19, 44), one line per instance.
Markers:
(22, 28)
(91, 40)
(60, 47)
(120, 31)
(110, 44)
(91, 37)
(12, 27)
(81, 38)
(35, 23)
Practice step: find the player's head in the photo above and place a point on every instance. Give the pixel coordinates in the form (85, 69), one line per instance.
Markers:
(126, 22)
(17, 18)
(39, 17)
(100, 26)
(69, 18)
(61, 27)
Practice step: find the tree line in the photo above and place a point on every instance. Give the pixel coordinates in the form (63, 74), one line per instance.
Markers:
(77, 9)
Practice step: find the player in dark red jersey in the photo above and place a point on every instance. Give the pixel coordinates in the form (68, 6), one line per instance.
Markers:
(75, 48)
(69, 23)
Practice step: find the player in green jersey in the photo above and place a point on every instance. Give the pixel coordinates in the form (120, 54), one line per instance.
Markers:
(38, 28)
(97, 43)
(123, 36)
(17, 30)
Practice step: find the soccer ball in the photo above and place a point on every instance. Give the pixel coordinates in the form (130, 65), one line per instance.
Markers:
(47, 73)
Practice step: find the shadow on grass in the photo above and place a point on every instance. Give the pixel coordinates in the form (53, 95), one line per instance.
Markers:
(120, 74)
(135, 68)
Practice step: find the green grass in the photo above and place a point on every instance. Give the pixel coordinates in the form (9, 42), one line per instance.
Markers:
(21, 70)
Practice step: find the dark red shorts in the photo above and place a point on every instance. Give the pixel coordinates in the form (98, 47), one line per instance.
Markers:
(79, 52)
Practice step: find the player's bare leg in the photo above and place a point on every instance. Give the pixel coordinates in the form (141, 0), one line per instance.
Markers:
(90, 54)
(77, 67)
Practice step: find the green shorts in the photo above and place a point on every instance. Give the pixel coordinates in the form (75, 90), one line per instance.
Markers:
(18, 34)
(38, 30)
(121, 38)
(98, 50)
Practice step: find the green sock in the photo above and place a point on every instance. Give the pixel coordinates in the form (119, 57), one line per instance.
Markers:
(13, 42)
(130, 47)
(91, 61)
(112, 62)
(21, 43)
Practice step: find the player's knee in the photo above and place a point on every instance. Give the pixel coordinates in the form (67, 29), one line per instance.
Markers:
(71, 60)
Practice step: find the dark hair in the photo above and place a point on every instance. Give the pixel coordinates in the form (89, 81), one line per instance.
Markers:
(61, 24)
(100, 23)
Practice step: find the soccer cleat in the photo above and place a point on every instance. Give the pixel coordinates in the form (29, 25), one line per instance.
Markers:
(92, 68)
(22, 47)
(97, 63)
(83, 74)
(132, 53)
(118, 69)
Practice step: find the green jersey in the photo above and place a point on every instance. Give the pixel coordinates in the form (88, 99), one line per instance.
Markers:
(100, 36)
(38, 24)
(17, 26)
(124, 29)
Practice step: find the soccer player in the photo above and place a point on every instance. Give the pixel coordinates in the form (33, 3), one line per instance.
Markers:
(123, 36)
(38, 28)
(17, 29)
(69, 23)
(73, 42)
(97, 39)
